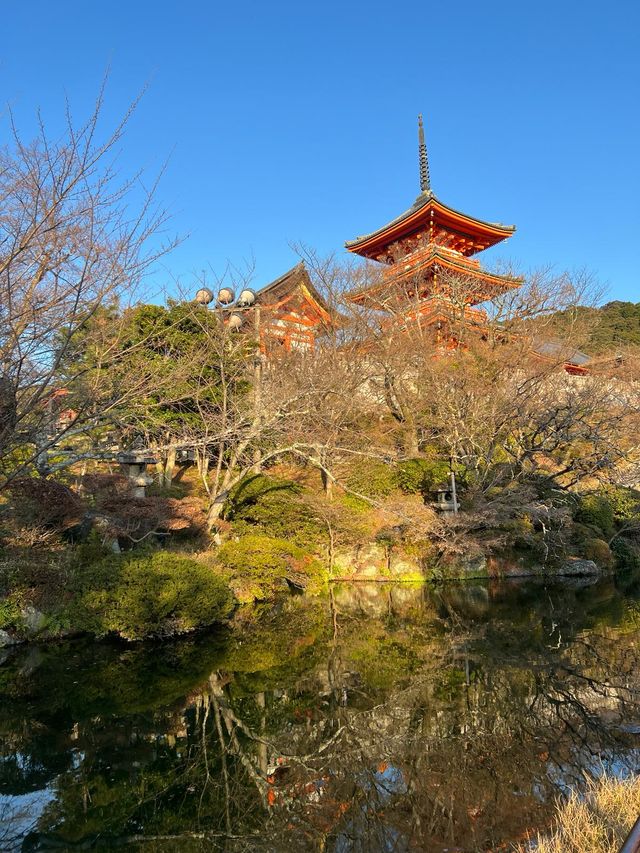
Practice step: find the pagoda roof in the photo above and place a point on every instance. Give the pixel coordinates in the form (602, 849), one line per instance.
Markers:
(428, 209)
(436, 257)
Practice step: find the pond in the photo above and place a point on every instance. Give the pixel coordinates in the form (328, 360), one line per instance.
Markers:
(380, 718)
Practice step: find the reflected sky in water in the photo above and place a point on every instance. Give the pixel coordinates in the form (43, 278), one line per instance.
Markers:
(404, 718)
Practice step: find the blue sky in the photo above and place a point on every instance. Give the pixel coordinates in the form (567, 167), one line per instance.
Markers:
(297, 121)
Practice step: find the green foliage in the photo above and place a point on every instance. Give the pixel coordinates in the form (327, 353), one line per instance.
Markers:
(354, 504)
(178, 348)
(598, 551)
(149, 596)
(614, 325)
(276, 508)
(596, 509)
(260, 566)
(10, 615)
(602, 512)
(627, 554)
(372, 478)
(420, 475)
(625, 503)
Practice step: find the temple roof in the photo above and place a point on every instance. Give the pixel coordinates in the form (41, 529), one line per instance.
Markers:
(557, 349)
(427, 212)
(429, 260)
(284, 287)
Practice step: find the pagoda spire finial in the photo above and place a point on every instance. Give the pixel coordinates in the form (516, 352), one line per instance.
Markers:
(425, 180)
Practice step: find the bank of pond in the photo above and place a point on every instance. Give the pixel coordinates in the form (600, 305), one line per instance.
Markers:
(367, 717)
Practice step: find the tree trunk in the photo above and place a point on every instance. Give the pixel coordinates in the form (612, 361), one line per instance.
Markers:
(215, 509)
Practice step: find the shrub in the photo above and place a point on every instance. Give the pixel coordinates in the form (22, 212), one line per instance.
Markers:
(149, 596)
(372, 478)
(277, 508)
(625, 503)
(626, 554)
(596, 509)
(598, 551)
(10, 612)
(419, 476)
(260, 566)
(252, 489)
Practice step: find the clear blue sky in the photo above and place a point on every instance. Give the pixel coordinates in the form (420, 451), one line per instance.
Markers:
(297, 121)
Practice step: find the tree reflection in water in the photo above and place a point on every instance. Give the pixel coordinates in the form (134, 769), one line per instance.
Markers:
(384, 718)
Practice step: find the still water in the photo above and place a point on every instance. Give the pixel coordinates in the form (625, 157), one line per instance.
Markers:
(381, 718)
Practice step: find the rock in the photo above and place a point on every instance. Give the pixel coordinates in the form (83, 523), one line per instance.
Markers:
(472, 565)
(366, 561)
(403, 566)
(575, 566)
(33, 620)
(7, 640)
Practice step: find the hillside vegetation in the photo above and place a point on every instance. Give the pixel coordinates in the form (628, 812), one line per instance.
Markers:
(613, 326)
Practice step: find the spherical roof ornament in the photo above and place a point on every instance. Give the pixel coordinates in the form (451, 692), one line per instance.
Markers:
(204, 296)
(226, 296)
(247, 297)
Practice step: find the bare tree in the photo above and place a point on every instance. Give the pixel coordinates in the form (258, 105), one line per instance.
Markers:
(75, 238)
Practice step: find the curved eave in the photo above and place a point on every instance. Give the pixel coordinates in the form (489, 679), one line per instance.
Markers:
(420, 216)
(501, 283)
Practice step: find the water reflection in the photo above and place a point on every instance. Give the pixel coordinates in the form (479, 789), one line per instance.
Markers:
(384, 718)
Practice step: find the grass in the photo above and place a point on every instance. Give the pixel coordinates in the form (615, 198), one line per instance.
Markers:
(597, 822)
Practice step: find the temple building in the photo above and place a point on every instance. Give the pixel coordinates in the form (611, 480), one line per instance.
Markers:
(292, 311)
(427, 274)
(430, 274)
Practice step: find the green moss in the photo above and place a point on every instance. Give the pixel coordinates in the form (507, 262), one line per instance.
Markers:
(260, 566)
(148, 596)
(354, 504)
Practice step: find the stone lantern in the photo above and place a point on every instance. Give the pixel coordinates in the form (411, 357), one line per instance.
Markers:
(445, 498)
(134, 465)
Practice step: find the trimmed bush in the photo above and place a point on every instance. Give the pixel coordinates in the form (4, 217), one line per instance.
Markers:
(596, 510)
(372, 478)
(262, 504)
(420, 476)
(598, 551)
(150, 596)
(261, 566)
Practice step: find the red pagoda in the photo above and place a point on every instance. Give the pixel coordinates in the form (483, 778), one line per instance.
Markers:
(430, 274)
